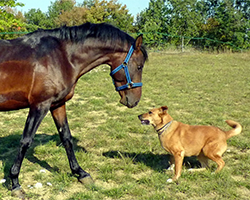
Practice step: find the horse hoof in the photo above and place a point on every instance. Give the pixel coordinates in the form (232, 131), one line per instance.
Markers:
(87, 181)
(19, 193)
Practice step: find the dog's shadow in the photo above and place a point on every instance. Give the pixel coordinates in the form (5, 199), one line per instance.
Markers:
(158, 162)
(9, 147)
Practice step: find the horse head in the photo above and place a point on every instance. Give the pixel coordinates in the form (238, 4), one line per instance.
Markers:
(127, 76)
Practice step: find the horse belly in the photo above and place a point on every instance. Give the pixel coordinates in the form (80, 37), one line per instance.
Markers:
(15, 83)
(13, 101)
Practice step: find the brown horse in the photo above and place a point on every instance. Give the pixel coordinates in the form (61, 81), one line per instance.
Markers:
(40, 70)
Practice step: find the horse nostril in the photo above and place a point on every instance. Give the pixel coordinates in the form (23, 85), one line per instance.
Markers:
(136, 103)
(132, 105)
(127, 102)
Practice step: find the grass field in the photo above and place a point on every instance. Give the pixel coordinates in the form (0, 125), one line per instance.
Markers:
(125, 158)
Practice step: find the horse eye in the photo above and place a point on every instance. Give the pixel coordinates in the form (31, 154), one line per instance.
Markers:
(140, 67)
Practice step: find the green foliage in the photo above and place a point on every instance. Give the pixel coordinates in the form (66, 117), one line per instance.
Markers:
(35, 19)
(203, 24)
(153, 20)
(184, 19)
(225, 21)
(8, 21)
(56, 9)
(67, 12)
(97, 11)
(228, 23)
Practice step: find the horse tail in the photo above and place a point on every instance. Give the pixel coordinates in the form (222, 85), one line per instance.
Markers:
(237, 128)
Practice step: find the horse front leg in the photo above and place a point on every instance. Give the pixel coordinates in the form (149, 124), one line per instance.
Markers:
(60, 119)
(36, 115)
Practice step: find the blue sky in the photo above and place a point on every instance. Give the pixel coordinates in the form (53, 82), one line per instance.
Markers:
(134, 6)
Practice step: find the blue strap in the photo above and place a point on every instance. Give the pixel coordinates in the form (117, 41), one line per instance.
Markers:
(124, 65)
(130, 52)
(127, 74)
(132, 85)
(116, 69)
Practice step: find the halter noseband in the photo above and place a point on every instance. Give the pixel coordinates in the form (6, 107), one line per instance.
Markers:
(124, 65)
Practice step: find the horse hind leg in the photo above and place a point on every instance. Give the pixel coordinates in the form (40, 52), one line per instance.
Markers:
(36, 115)
(60, 119)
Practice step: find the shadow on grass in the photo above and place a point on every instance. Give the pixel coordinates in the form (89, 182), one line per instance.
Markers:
(9, 146)
(157, 162)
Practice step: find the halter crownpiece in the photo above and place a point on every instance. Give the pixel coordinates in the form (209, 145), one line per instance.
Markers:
(124, 65)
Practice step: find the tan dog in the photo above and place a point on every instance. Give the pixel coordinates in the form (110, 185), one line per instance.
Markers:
(180, 140)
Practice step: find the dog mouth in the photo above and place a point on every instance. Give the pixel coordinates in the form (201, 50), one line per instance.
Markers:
(143, 121)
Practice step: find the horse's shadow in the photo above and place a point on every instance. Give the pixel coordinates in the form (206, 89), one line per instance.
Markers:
(158, 162)
(9, 147)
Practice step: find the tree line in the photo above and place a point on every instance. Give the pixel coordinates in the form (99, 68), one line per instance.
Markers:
(204, 24)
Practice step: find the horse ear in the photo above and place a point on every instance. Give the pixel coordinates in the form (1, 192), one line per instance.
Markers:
(164, 108)
(138, 42)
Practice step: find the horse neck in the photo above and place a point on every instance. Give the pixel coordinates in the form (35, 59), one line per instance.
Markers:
(88, 57)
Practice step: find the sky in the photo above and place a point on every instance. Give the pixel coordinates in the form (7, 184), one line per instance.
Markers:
(134, 6)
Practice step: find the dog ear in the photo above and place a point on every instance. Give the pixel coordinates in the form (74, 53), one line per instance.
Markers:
(164, 108)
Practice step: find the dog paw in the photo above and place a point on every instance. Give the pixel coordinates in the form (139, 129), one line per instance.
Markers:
(196, 170)
(171, 168)
(170, 180)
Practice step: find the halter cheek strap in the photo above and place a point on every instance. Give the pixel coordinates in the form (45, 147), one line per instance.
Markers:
(124, 66)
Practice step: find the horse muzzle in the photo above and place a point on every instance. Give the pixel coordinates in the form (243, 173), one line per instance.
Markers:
(129, 100)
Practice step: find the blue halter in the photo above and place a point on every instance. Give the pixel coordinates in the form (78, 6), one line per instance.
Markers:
(124, 65)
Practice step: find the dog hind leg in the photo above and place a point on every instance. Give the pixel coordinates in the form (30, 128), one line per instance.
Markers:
(203, 160)
(204, 163)
(214, 151)
(217, 158)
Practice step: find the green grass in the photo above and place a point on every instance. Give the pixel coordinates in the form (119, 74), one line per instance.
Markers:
(125, 158)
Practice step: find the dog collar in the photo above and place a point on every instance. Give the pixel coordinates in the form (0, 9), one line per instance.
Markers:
(162, 129)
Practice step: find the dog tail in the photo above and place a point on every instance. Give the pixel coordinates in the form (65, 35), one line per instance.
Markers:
(237, 128)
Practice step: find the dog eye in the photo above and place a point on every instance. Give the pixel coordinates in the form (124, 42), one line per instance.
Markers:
(150, 112)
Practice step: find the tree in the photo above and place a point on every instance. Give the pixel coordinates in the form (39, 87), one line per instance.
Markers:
(35, 19)
(74, 17)
(8, 21)
(185, 20)
(56, 9)
(97, 11)
(227, 24)
(152, 21)
(219, 24)
(111, 12)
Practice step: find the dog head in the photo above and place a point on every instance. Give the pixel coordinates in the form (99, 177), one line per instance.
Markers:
(157, 117)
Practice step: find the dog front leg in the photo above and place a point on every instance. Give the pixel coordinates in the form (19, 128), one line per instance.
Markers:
(178, 157)
(171, 163)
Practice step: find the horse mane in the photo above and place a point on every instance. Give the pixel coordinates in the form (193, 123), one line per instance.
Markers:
(104, 32)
